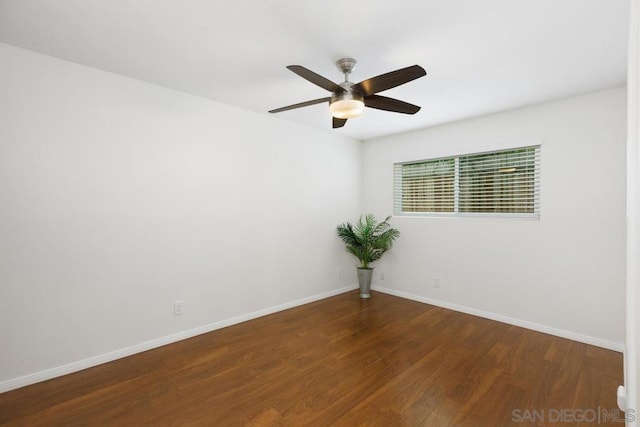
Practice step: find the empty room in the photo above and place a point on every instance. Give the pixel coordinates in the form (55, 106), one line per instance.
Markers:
(278, 213)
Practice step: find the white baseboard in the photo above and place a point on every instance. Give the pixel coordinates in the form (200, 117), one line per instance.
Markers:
(610, 345)
(158, 342)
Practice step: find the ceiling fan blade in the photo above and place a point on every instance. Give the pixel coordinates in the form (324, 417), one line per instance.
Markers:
(390, 104)
(301, 104)
(316, 79)
(338, 123)
(389, 80)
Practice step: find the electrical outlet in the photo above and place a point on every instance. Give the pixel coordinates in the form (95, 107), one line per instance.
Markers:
(436, 283)
(382, 276)
(338, 272)
(178, 308)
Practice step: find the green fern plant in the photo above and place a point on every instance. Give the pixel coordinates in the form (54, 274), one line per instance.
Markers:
(368, 240)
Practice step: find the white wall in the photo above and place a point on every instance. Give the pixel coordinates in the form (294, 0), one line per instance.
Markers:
(632, 355)
(563, 273)
(118, 197)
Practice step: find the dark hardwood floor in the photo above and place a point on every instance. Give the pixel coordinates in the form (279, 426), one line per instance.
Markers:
(340, 361)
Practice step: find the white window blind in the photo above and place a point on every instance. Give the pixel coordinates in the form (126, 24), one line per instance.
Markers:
(501, 182)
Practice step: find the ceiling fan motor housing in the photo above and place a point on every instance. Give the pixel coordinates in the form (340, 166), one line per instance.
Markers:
(347, 104)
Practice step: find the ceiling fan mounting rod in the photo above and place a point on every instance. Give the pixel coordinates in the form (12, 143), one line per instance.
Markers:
(346, 66)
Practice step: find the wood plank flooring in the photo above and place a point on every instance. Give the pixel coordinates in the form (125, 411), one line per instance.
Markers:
(341, 361)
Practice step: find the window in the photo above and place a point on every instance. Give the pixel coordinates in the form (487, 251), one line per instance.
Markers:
(501, 182)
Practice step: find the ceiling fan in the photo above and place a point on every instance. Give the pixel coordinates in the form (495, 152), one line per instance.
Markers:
(348, 99)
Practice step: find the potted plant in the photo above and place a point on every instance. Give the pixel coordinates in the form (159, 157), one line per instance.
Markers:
(368, 240)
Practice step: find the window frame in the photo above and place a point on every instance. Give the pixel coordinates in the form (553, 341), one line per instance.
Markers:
(535, 215)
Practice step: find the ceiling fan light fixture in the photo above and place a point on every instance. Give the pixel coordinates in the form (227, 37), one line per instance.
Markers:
(347, 108)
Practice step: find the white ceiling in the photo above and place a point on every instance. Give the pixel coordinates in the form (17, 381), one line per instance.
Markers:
(480, 56)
